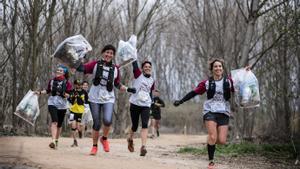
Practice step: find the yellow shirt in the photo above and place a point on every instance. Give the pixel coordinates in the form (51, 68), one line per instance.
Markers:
(76, 108)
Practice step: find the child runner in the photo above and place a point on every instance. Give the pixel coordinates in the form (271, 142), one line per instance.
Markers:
(78, 97)
(87, 112)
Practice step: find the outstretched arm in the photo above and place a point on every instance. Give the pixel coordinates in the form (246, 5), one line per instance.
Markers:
(200, 89)
(87, 68)
(187, 97)
(121, 87)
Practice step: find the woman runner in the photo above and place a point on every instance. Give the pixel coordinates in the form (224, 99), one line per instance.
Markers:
(140, 103)
(101, 95)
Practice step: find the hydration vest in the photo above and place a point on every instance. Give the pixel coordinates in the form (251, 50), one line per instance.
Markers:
(99, 79)
(58, 87)
(212, 88)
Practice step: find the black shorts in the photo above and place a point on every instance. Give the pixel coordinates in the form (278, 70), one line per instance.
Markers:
(135, 113)
(57, 115)
(75, 116)
(220, 118)
(155, 115)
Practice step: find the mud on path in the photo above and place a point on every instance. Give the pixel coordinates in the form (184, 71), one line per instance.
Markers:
(162, 154)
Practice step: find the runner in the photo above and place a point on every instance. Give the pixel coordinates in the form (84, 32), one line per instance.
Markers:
(101, 94)
(140, 103)
(155, 115)
(78, 97)
(87, 116)
(216, 108)
(59, 88)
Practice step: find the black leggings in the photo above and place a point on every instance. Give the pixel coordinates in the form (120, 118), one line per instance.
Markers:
(57, 115)
(135, 112)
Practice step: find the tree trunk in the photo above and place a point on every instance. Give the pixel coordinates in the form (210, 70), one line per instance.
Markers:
(249, 32)
(13, 60)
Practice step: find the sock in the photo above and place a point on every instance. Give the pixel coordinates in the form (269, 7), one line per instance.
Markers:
(95, 145)
(211, 151)
(104, 138)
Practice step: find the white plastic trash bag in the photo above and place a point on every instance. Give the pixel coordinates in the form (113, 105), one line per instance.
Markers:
(71, 50)
(87, 115)
(28, 108)
(246, 87)
(127, 50)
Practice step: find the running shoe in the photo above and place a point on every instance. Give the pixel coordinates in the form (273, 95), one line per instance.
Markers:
(94, 150)
(105, 144)
(52, 145)
(130, 145)
(211, 165)
(143, 151)
(75, 144)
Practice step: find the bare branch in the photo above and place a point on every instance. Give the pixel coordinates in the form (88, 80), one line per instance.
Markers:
(241, 10)
(271, 8)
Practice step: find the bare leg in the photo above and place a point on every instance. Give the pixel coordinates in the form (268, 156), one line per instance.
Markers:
(144, 134)
(222, 134)
(211, 127)
(95, 136)
(106, 130)
(54, 130)
(152, 125)
(74, 131)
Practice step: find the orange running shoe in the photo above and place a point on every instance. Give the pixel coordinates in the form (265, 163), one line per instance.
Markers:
(211, 165)
(94, 150)
(105, 144)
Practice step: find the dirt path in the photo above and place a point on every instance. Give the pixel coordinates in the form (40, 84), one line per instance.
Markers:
(34, 151)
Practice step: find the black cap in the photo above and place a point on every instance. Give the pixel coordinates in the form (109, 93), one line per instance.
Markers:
(77, 82)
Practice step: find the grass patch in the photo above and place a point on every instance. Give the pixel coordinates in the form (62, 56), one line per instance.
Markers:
(281, 151)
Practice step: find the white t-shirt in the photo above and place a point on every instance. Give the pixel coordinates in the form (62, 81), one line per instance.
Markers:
(99, 94)
(143, 87)
(217, 104)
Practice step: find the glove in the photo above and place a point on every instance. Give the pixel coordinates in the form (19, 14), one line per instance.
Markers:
(177, 103)
(131, 90)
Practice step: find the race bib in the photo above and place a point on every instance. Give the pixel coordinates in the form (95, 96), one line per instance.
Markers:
(104, 96)
(218, 106)
(143, 96)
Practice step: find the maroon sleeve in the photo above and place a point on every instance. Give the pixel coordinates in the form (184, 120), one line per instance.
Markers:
(136, 70)
(89, 67)
(117, 79)
(231, 83)
(49, 87)
(137, 73)
(153, 86)
(68, 87)
(200, 89)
